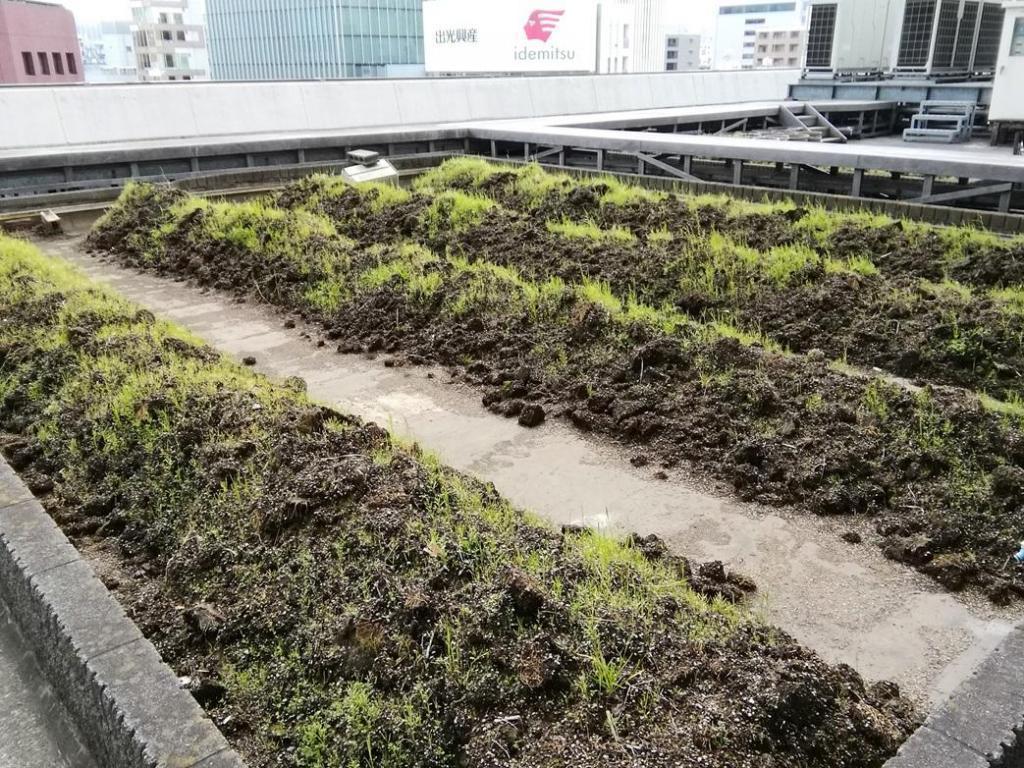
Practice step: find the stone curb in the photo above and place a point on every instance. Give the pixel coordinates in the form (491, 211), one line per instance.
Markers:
(982, 724)
(125, 701)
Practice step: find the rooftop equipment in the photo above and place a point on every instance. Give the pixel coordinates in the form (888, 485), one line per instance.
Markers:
(949, 37)
(368, 165)
(852, 37)
(943, 122)
(1007, 110)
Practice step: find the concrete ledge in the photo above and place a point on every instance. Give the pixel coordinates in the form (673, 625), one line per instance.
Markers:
(982, 724)
(125, 701)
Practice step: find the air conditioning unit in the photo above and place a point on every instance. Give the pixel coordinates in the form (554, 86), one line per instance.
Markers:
(949, 37)
(852, 37)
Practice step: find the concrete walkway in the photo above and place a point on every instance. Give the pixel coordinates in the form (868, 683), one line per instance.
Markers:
(34, 729)
(847, 602)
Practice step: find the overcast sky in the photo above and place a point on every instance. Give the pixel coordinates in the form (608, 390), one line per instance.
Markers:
(693, 15)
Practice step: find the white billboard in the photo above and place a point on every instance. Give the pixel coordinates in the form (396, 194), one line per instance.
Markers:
(510, 35)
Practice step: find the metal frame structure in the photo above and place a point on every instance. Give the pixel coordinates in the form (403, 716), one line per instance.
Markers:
(692, 144)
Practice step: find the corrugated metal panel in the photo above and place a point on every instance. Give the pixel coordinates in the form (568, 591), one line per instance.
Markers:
(989, 33)
(965, 37)
(916, 37)
(945, 34)
(821, 34)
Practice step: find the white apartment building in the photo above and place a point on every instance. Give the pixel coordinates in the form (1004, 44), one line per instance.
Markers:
(682, 51)
(780, 48)
(738, 23)
(631, 36)
(170, 41)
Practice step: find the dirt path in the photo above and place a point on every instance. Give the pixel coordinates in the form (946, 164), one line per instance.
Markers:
(847, 602)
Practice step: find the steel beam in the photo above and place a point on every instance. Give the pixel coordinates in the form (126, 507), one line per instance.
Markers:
(548, 153)
(663, 166)
(966, 194)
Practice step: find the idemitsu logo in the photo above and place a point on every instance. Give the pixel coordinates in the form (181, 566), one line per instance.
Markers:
(541, 24)
(540, 27)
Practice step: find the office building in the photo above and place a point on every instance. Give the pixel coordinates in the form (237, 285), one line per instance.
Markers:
(682, 51)
(314, 39)
(108, 52)
(780, 48)
(169, 40)
(738, 23)
(631, 36)
(38, 44)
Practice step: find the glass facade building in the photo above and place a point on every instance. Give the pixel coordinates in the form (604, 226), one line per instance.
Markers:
(314, 39)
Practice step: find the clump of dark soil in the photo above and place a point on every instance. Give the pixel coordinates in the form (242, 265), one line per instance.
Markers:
(335, 599)
(556, 325)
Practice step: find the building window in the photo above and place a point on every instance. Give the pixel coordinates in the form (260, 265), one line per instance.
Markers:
(672, 55)
(44, 63)
(58, 64)
(673, 42)
(757, 8)
(671, 66)
(169, 61)
(755, 21)
(166, 35)
(163, 18)
(625, 35)
(72, 64)
(179, 19)
(30, 65)
(1017, 39)
(181, 35)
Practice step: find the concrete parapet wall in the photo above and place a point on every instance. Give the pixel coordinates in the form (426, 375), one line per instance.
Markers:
(125, 701)
(83, 115)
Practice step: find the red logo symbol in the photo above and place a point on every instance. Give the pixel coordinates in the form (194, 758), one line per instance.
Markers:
(541, 24)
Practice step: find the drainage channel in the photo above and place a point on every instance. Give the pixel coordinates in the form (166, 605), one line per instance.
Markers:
(847, 602)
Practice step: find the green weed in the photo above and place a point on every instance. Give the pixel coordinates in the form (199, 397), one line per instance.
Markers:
(590, 231)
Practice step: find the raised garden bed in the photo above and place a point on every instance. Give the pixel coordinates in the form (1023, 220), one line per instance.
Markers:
(333, 598)
(844, 364)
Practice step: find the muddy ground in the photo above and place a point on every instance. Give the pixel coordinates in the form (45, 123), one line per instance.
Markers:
(332, 598)
(940, 474)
